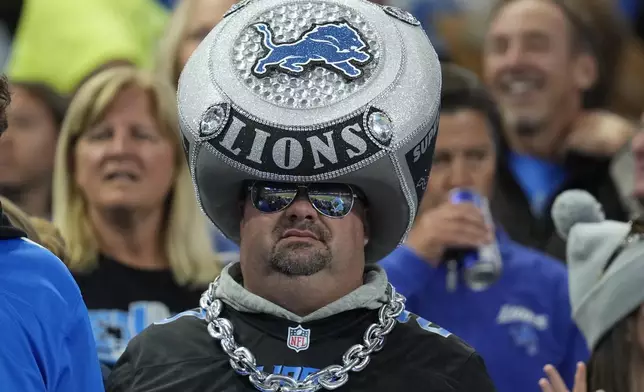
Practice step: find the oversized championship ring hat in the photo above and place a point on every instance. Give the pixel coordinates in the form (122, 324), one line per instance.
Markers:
(340, 91)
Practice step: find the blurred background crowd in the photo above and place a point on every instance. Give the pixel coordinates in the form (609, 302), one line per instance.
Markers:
(539, 96)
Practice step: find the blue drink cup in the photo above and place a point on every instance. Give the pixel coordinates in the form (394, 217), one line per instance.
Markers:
(481, 266)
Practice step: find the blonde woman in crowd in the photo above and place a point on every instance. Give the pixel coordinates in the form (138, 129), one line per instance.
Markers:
(125, 205)
(191, 21)
(605, 278)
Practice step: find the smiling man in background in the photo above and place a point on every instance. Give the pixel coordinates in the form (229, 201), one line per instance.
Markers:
(541, 67)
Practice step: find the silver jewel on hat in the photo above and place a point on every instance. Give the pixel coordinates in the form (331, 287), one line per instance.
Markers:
(401, 14)
(236, 7)
(380, 127)
(213, 121)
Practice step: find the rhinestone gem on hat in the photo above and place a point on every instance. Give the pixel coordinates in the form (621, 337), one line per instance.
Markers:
(402, 15)
(380, 127)
(213, 121)
(237, 6)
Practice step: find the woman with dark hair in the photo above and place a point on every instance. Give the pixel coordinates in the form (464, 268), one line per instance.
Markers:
(34, 120)
(605, 278)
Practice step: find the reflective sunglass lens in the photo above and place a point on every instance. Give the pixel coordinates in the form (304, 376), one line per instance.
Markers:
(331, 200)
(269, 197)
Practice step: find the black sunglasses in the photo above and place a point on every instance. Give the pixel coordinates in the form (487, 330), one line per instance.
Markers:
(635, 234)
(330, 200)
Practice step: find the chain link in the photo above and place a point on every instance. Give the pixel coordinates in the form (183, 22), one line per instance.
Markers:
(332, 377)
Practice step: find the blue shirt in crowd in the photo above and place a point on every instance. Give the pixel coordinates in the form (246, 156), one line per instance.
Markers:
(539, 179)
(46, 342)
(518, 325)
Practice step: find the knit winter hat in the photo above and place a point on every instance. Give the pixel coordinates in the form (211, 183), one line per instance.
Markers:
(605, 263)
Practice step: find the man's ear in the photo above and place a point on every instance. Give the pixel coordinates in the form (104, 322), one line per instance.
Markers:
(586, 71)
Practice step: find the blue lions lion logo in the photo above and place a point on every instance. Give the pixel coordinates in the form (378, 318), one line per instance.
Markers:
(335, 45)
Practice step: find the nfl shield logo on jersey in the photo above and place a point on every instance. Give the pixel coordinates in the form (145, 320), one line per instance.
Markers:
(298, 338)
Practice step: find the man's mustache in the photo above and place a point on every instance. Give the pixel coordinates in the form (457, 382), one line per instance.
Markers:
(304, 225)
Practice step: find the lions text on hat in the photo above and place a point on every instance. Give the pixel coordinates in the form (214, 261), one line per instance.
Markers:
(269, 148)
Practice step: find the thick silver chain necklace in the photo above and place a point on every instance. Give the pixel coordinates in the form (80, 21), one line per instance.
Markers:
(332, 377)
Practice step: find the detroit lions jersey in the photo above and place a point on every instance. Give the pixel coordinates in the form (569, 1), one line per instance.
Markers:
(180, 355)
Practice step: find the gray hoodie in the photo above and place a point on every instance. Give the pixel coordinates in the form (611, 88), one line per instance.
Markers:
(371, 295)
